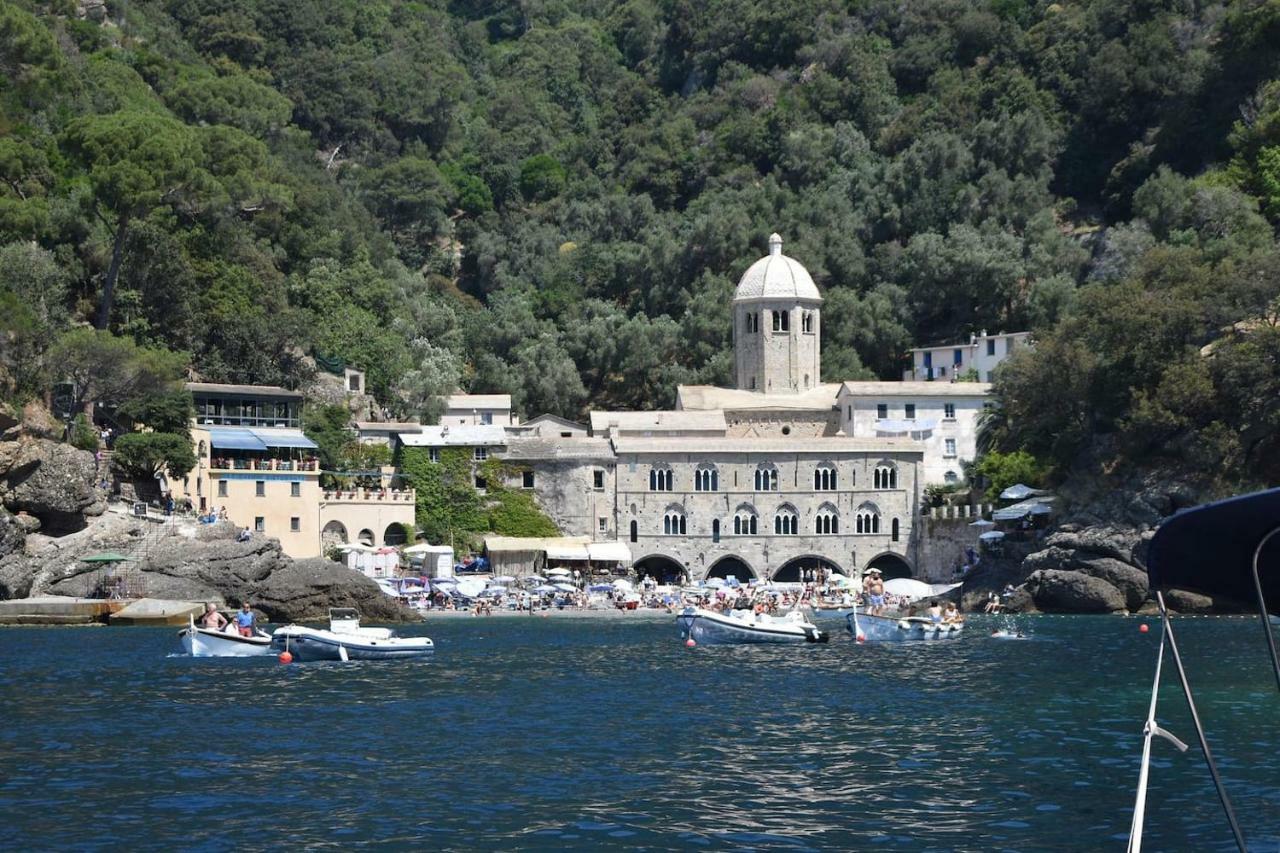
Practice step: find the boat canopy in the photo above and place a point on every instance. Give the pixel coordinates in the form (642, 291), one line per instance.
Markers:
(1211, 548)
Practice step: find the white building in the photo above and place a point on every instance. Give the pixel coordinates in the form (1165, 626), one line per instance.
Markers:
(477, 410)
(951, 362)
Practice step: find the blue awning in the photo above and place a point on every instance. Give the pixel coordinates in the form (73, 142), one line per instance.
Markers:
(284, 438)
(234, 438)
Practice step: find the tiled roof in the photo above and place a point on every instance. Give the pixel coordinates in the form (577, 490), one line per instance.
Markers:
(704, 397)
(916, 389)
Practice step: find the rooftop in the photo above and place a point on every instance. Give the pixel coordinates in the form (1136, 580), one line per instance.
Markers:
(916, 389)
(243, 390)
(478, 401)
(776, 276)
(703, 397)
(711, 422)
(558, 448)
(387, 426)
(816, 446)
(469, 435)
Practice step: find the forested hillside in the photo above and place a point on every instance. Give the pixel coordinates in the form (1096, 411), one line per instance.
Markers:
(556, 198)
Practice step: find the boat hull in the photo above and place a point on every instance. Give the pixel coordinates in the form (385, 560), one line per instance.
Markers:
(306, 644)
(704, 626)
(895, 629)
(204, 643)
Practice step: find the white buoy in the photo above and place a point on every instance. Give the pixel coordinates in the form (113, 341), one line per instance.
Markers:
(342, 653)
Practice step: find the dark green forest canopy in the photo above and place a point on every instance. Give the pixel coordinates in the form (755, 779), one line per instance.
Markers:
(555, 199)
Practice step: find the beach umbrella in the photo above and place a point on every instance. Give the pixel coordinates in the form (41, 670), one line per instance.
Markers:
(471, 587)
(502, 580)
(356, 546)
(715, 583)
(992, 536)
(565, 587)
(909, 587)
(1020, 492)
(418, 549)
(551, 572)
(544, 589)
(534, 579)
(622, 585)
(982, 522)
(600, 587)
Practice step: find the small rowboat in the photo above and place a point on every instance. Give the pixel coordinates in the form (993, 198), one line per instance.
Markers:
(896, 629)
(227, 643)
(347, 640)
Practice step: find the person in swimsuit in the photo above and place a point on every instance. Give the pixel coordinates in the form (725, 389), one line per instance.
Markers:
(935, 613)
(244, 620)
(951, 616)
(875, 592)
(212, 618)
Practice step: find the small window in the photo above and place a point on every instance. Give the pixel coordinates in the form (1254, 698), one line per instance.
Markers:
(635, 531)
(850, 412)
(597, 480)
(480, 483)
(566, 435)
(942, 371)
(354, 382)
(950, 447)
(526, 479)
(603, 524)
(295, 490)
(715, 530)
(295, 524)
(910, 411)
(222, 488)
(486, 418)
(480, 454)
(1009, 344)
(991, 346)
(753, 383)
(260, 524)
(882, 410)
(957, 356)
(434, 454)
(949, 411)
(260, 488)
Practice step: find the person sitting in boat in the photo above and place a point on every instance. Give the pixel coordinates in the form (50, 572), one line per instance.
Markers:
(935, 613)
(244, 620)
(212, 619)
(951, 615)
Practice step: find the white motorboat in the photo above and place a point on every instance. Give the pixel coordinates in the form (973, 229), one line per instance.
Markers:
(346, 640)
(893, 629)
(226, 643)
(745, 626)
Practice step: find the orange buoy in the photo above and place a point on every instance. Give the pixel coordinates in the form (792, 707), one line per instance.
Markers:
(1143, 628)
(285, 657)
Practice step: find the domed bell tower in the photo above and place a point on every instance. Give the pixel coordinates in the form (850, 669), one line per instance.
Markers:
(777, 326)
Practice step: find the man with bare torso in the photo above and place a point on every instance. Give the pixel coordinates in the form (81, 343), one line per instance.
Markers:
(875, 592)
(212, 619)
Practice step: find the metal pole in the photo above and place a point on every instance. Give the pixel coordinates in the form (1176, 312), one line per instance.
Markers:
(1262, 606)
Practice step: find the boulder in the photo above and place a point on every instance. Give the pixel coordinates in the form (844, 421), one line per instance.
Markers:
(993, 574)
(1132, 582)
(1115, 542)
(57, 483)
(1073, 592)
(304, 590)
(1189, 601)
(13, 534)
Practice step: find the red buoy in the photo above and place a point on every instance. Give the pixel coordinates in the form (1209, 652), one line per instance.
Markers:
(691, 642)
(862, 638)
(1143, 628)
(285, 657)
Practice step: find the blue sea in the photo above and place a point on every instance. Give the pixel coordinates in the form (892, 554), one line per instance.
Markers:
(534, 733)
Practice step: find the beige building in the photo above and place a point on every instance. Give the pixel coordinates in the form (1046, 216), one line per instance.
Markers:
(477, 410)
(255, 465)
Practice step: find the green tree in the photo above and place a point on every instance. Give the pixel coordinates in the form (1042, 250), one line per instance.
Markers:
(1002, 470)
(541, 177)
(144, 454)
(103, 368)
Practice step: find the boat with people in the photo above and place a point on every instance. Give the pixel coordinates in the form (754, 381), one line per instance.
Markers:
(864, 627)
(225, 642)
(345, 639)
(747, 627)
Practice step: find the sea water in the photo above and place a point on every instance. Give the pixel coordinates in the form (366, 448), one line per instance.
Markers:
(535, 733)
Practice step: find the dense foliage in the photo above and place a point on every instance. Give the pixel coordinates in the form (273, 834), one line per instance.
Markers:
(555, 199)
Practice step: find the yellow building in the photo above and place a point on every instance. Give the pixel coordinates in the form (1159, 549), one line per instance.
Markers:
(256, 467)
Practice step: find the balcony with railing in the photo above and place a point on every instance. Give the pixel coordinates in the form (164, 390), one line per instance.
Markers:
(370, 496)
(234, 463)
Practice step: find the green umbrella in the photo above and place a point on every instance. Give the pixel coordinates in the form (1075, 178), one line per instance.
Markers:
(107, 557)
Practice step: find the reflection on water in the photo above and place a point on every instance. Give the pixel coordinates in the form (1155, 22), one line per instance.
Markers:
(544, 733)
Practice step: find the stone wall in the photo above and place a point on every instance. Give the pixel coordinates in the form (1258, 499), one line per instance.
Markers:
(943, 537)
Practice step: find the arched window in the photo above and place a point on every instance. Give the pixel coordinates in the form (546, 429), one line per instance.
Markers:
(885, 476)
(785, 521)
(824, 478)
(745, 521)
(766, 477)
(894, 529)
(715, 530)
(706, 478)
(673, 522)
(867, 519)
(806, 322)
(635, 530)
(827, 521)
(660, 478)
(951, 477)
(781, 321)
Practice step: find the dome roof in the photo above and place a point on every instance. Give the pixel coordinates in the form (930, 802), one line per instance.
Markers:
(775, 276)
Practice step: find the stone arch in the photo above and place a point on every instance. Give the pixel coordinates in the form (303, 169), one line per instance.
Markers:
(791, 571)
(891, 565)
(394, 534)
(731, 564)
(661, 567)
(333, 535)
(366, 537)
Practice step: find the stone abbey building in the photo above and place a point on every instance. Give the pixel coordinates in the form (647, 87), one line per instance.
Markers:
(780, 475)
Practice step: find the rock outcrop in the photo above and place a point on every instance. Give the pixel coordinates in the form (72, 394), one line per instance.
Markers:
(1073, 592)
(304, 590)
(54, 482)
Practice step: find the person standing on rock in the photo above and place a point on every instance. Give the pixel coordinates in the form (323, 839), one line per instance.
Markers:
(245, 620)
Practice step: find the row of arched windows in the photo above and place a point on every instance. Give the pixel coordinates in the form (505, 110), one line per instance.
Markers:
(786, 522)
(706, 478)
